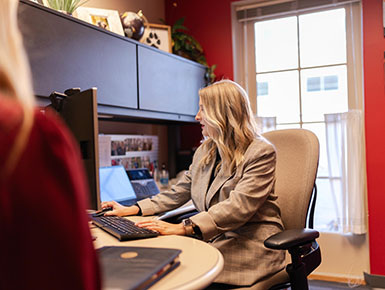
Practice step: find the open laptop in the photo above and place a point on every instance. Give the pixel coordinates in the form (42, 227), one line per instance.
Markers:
(143, 183)
(115, 184)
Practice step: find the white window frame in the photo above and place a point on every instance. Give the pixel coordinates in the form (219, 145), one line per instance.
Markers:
(243, 39)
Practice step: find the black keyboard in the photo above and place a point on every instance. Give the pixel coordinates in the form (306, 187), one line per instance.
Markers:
(122, 228)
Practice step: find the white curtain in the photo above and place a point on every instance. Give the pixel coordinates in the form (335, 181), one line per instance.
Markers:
(346, 165)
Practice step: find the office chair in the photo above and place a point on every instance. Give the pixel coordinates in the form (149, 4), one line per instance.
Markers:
(296, 170)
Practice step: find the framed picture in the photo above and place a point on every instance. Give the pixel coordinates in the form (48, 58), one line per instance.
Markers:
(158, 36)
(104, 18)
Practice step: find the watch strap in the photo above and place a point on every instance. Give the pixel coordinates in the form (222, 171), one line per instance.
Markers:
(192, 229)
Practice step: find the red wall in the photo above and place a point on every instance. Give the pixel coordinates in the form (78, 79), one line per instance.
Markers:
(374, 47)
(210, 23)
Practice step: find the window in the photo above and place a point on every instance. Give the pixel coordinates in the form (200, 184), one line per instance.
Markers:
(309, 76)
(305, 67)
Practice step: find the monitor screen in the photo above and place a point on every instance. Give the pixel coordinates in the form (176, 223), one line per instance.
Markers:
(114, 184)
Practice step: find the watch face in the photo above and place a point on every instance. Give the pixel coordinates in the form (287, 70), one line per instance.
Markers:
(187, 222)
(188, 227)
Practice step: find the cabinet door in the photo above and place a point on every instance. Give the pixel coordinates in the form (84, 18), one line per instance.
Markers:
(168, 83)
(65, 52)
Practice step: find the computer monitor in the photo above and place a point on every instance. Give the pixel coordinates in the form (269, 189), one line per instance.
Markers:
(79, 111)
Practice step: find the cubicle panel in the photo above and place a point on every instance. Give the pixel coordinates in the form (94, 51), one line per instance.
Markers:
(168, 83)
(65, 52)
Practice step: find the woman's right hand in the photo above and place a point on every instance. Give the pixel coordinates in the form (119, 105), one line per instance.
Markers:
(118, 209)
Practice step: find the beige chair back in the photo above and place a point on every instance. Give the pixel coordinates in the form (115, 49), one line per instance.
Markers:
(296, 170)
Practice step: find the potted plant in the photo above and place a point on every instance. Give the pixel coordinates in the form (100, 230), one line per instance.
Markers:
(187, 46)
(66, 6)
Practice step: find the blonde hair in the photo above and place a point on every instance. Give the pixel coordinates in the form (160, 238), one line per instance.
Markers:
(230, 118)
(15, 77)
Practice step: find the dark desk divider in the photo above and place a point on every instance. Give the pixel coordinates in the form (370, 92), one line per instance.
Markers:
(79, 111)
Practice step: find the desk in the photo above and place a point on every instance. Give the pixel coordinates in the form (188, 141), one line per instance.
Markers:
(200, 262)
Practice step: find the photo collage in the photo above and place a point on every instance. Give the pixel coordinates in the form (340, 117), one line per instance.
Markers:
(131, 151)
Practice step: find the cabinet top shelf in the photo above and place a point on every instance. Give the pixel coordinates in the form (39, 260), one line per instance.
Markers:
(101, 30)
(133, 80)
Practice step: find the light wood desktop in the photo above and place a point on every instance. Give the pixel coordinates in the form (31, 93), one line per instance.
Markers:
(200, 262)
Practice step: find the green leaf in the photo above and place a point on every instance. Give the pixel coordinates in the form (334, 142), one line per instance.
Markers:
(180, 21)
(179, 27)
(66, 5)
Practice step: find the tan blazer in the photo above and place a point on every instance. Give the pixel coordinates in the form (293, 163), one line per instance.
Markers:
(236, 214)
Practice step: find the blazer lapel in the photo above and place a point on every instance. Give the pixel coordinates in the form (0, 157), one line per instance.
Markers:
(217, 183)
(201, 182)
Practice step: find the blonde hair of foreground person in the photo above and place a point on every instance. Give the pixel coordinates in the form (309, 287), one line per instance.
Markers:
(228, 113)
(15, 76)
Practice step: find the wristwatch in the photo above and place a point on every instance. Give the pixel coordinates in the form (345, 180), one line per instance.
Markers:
(189, 227)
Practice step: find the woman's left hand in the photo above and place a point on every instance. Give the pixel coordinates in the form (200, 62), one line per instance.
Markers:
(162, 227)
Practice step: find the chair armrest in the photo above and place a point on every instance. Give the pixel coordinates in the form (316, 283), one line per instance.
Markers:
(291, 238)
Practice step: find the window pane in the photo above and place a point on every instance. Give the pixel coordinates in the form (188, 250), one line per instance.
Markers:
(325, 216)
(328, 189)
(319, 130)
(270, 37)
(280, 97)
(322, 38)
(328, 95)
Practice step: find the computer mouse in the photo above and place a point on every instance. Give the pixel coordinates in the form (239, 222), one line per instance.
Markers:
(102, 211)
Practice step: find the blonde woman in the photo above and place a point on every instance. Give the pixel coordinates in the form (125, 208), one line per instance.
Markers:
(45, 239)
(231, 183)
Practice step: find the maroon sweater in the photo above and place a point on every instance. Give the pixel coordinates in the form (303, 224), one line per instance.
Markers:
(45, 242)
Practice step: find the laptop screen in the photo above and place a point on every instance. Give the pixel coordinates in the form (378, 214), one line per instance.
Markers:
(139, 174)
(114, 184)
(143, 183)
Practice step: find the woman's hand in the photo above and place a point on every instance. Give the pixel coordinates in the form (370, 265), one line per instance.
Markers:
(118, 209)
(162, 227)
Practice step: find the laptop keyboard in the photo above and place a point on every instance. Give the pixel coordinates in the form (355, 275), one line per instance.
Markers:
(143, 191)
(122, 228)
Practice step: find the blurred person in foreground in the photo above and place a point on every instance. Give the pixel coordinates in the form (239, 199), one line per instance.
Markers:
(45, 240)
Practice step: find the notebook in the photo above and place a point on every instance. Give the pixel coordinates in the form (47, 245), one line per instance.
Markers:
(143, 183)
(115, 185)
(135, 267)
